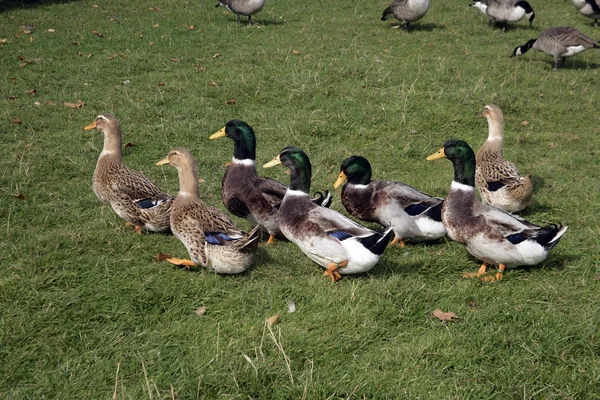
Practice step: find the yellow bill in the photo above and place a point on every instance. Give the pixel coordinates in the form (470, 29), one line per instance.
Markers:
(436, 156)
(163, 161)
(90, 126)
(340, 180)
(218, 135)
(273, 162)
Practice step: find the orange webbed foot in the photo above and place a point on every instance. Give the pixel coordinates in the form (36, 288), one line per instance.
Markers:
(332, 272)
(395, 240)
(481, 271)
(271, 240)
(181, 262)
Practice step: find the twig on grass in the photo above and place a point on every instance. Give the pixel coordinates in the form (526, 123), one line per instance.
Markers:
(116, 382)
(280, 347)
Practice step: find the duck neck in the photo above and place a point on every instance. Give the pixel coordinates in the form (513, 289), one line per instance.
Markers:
(300, 177)
(112, 143)
(244, 147)
(188, 181)
(464, 170)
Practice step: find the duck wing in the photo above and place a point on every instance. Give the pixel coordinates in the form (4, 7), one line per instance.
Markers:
(335, 224)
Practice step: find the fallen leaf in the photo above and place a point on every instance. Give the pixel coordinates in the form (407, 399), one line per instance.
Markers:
(95, 5)
(129, 144)
(17, 121)
(139, 34)
(201, 311)
(31, 38)
(13, 79)
(37, 104)
(150, 44)
(444, 316)
(154, 9)
(90, 55)
(77, 105)
(175, 59)
(291, 306)
(22, 58)
(112, 19)
(49, 103)
(155, 25)
(524, 123)
(13, 97)
(112, 57)
(189, 27)
(98, 33)
(230, 102)
(199, 67)
(212, 83)
(31, 91)
(20, 196)
(286, 171)
(27, 32)
(217, 55)
(273, 320)
(201, 180)
(162, 257)
(552, 144)
(161, 84)
(75, 43)
(11, 16)
(228, 163)
(295, 52)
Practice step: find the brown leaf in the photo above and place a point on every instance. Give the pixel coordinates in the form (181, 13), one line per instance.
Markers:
(154, 9)
(150, 44)
(51, 30)
(155, 25)
(17, 121)
(444, 316)
(20, 196)
(212, 83)
(201, 180)
(95, 32)
(31, 91)
(31, 39)
(295, 52)
(139, 34)
(27, 32)
(37, 104)
(129, 144)
(49, 103)
(217, 55)
(13, 79)
(175, 59)
(273, 320)
(161, 84)
(230, 102)
(228, 163)
(199, 67)
(524, 123)
(13, 97)
(75, 43)
(162, 257)
(201, 311)
(77, 105)
(112, 57)
(22, 58)
(95, 5)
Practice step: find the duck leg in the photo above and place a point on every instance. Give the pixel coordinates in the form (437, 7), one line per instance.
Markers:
(395, 240)
(555, 68)
(181, 262)
(271, 240)
(249, 20)
(406, 26)
(481, 271)
(499, 274)
(332, 272)
(138, 228)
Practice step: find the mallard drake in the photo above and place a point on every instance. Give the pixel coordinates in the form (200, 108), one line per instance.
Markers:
(327, 237)
(413, 215)
(211, 238)
(130, 194)
(490, 234)
(406, 11)
(244, 193)
(589, 8)
(505, 11)
(559, 42)
(497, 179)
(243, 7)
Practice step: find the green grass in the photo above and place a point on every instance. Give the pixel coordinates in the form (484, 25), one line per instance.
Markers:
(86, 312)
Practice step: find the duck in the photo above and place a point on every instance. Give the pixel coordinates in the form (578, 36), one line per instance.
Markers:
(490, 234)
(131, 195)
(242, 7)
(505, 11)
(406, 11)
(559, 42)
(413, 215)
(497, 179)
(247, 195)
(330, 239)
(589, 8)
(209, 235)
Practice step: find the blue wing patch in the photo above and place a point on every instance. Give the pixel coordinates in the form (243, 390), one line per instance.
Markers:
(516, 238)
(495, 185)
(340, 235)
(217, 238)
(147, 203)
(415, 209)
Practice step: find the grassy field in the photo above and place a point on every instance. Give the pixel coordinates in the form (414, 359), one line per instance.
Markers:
(87, 312)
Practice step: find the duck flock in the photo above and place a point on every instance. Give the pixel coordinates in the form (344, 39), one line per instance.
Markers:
(488, 228)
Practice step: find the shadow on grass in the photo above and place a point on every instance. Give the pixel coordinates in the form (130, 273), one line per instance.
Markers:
(418, 27)
(6, 5)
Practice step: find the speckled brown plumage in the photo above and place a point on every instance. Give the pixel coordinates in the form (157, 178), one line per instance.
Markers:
(497, 179)
(130, 194)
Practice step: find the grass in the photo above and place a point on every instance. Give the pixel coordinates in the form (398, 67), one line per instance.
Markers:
(86, 312)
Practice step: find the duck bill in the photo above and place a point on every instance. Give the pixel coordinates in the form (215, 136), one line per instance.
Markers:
(340, 180)
(437, 155)
(164, 161)
(273, 162)
(218, 135)
(90, 126)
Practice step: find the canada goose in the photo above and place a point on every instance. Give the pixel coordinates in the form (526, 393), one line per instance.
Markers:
(589, 8)
(505, 11)
(558, 42)
(243, 7)
(406, 11)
